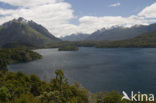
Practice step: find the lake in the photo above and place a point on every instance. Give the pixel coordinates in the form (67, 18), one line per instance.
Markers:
(103, 69)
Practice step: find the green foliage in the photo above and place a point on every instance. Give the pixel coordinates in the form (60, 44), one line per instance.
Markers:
(16, 55)
(26, 98)
(112, 97)
(19, 88)
(3, 63)
(4, 94)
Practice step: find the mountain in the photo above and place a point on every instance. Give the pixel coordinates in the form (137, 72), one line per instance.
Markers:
(75, 37)
(144, 40)
(41, 30)
(21, 31)
(120, 33)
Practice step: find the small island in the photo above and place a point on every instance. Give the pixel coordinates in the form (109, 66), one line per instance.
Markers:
(68, 48)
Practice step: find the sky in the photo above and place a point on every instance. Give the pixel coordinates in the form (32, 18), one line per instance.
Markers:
(65, 17)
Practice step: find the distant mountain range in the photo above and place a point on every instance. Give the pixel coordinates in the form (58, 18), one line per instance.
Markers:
(21, 31)
(75, 37)
(144, 40)
(114, 33)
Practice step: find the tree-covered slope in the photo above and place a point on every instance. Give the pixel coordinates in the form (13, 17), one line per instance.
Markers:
(144, 40)
(19, 31)
(20, 88)
(8, 56)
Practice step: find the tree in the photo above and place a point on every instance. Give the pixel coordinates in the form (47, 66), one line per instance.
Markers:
(111, 97)
(60, 81)
(35, 85)
(3, 63)
(4, 94)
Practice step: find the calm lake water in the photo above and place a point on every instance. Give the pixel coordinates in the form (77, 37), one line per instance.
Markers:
(129, 69)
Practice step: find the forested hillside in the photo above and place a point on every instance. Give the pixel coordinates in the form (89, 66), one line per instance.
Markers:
(144, 40)
(20, 31)
(20, 88)
(8, 56)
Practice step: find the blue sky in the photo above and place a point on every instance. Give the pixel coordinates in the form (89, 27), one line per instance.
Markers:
(7, 6)
(65, 17)
(102, 8)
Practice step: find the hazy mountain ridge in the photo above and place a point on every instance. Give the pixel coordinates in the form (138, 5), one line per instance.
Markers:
(121, 33)
(75, 37)
(113, 34)
(144, 40)
(25, 32)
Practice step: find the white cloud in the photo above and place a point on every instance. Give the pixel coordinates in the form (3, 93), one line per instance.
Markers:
(56, 15)
(89, 24)
(115, 5)
(28, 3)
(149, 12)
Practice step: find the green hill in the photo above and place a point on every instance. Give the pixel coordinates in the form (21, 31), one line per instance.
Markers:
(144, 40)
(20, 31)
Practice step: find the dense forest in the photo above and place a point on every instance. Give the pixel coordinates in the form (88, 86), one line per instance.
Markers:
(8, 56)
(20, 88)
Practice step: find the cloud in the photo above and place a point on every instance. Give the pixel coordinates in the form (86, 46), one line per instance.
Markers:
(28, 3)
(115, 5)
(55, 15)
(89, 24)
(149, 12)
